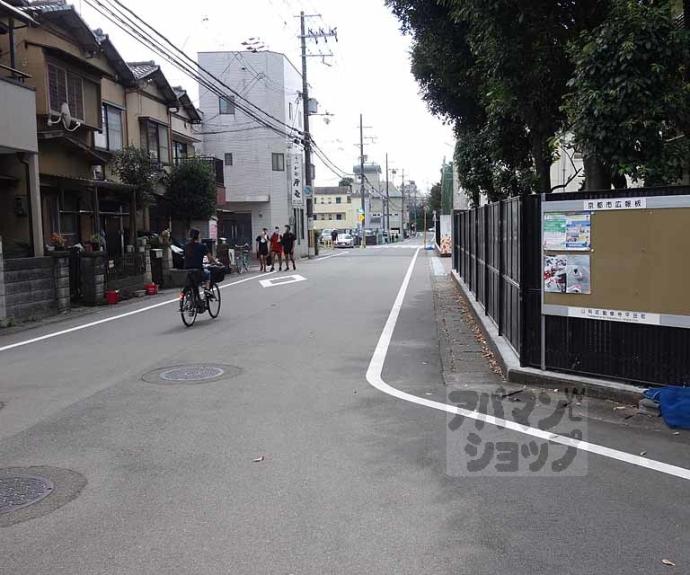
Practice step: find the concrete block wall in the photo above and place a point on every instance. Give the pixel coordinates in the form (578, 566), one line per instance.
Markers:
(3, 313)
(30, 288)
(93, 278)
(62, 285)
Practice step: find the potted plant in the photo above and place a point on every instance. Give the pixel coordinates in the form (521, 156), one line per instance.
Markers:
(58, 242)
(95, 242)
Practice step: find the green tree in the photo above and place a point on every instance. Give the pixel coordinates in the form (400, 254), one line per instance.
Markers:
(521, 52)
(134, 167)
(435, 199)
(191, 190)
(498, 70)
(346, 182)
(629, 99)
(454, 87)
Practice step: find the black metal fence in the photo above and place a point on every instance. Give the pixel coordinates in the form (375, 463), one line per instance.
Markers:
(497, 253)
(487, 256)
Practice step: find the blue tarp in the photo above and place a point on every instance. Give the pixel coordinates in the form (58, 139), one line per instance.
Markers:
(674, 404)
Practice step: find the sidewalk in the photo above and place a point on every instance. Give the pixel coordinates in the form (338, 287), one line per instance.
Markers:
(469, 361)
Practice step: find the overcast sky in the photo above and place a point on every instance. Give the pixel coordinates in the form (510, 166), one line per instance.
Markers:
(370, 73)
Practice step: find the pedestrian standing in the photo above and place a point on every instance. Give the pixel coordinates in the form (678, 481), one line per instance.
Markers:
(262, 244)
(334, 236)
(276, 250)
(289, 248)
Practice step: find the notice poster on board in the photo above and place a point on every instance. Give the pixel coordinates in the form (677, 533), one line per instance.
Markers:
(578, 275)
(567, 231)
(567, 274)
(578, 231)
(554, 231)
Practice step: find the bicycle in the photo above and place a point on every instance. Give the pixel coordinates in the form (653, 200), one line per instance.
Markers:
(191, 304)
(242, 258)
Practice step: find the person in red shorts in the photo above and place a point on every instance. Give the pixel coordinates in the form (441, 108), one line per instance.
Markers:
(276, 250)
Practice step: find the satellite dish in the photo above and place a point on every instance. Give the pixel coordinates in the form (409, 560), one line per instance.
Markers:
(66, 119)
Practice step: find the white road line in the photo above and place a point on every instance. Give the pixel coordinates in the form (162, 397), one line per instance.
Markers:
(109, 319)
(329, 257)
(282, 281)
(376, 380)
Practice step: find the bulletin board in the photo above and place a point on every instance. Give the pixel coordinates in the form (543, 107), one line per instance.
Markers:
(618, 263)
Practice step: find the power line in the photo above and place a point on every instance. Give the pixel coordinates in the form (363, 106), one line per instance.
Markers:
(136, 33)
(184, 55)
(123, 21)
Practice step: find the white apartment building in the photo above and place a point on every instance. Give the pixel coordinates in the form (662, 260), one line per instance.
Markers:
(264, 176)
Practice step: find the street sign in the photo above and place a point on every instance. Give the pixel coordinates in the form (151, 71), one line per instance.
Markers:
(308, 192)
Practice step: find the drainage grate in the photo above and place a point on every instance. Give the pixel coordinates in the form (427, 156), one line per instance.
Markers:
(21, 491)
(191, 374)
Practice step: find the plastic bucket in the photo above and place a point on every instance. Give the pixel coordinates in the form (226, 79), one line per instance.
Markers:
(151, 289)
(112, 297)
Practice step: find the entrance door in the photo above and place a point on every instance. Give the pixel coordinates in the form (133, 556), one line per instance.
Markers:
(236, 228)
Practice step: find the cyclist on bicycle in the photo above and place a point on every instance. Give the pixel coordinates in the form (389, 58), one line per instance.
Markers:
(194, 253)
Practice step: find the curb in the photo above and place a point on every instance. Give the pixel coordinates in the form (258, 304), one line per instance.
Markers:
(515, 373)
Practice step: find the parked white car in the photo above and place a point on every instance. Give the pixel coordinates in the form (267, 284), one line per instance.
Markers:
(345, 241)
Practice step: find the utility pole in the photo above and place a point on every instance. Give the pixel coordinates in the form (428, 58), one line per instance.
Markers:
(307, 140)
(402, 213)
(361, 175)
(311, 35)
(388, 203)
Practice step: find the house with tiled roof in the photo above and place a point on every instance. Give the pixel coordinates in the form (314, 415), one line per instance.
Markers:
(85, 103)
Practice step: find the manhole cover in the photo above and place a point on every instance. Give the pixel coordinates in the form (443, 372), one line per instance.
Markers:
(21, 491)
(191, 374)
(194, 373)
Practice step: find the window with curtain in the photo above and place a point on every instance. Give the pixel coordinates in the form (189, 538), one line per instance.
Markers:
(180, 151)
(154, 138)
(278, 162)
(111, 137)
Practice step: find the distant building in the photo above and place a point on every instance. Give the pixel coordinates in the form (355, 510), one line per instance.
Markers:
(264, 176)
(335, 208)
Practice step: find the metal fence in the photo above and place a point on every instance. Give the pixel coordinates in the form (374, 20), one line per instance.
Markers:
(487, 256)
(497, 253)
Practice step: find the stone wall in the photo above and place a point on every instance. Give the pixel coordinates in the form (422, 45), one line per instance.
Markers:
(3, 310)
(35, 287)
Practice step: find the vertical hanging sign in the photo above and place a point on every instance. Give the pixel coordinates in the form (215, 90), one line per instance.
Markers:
(296, 183)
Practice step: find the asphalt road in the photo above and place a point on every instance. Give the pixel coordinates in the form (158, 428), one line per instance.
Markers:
(159, 478)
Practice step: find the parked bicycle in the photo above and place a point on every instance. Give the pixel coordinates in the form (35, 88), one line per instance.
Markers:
(193, 303)
(242, 254)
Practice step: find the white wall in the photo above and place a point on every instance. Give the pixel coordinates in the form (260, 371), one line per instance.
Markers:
(269, 81)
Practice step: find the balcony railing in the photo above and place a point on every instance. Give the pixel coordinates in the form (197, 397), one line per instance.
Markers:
(216, 166)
